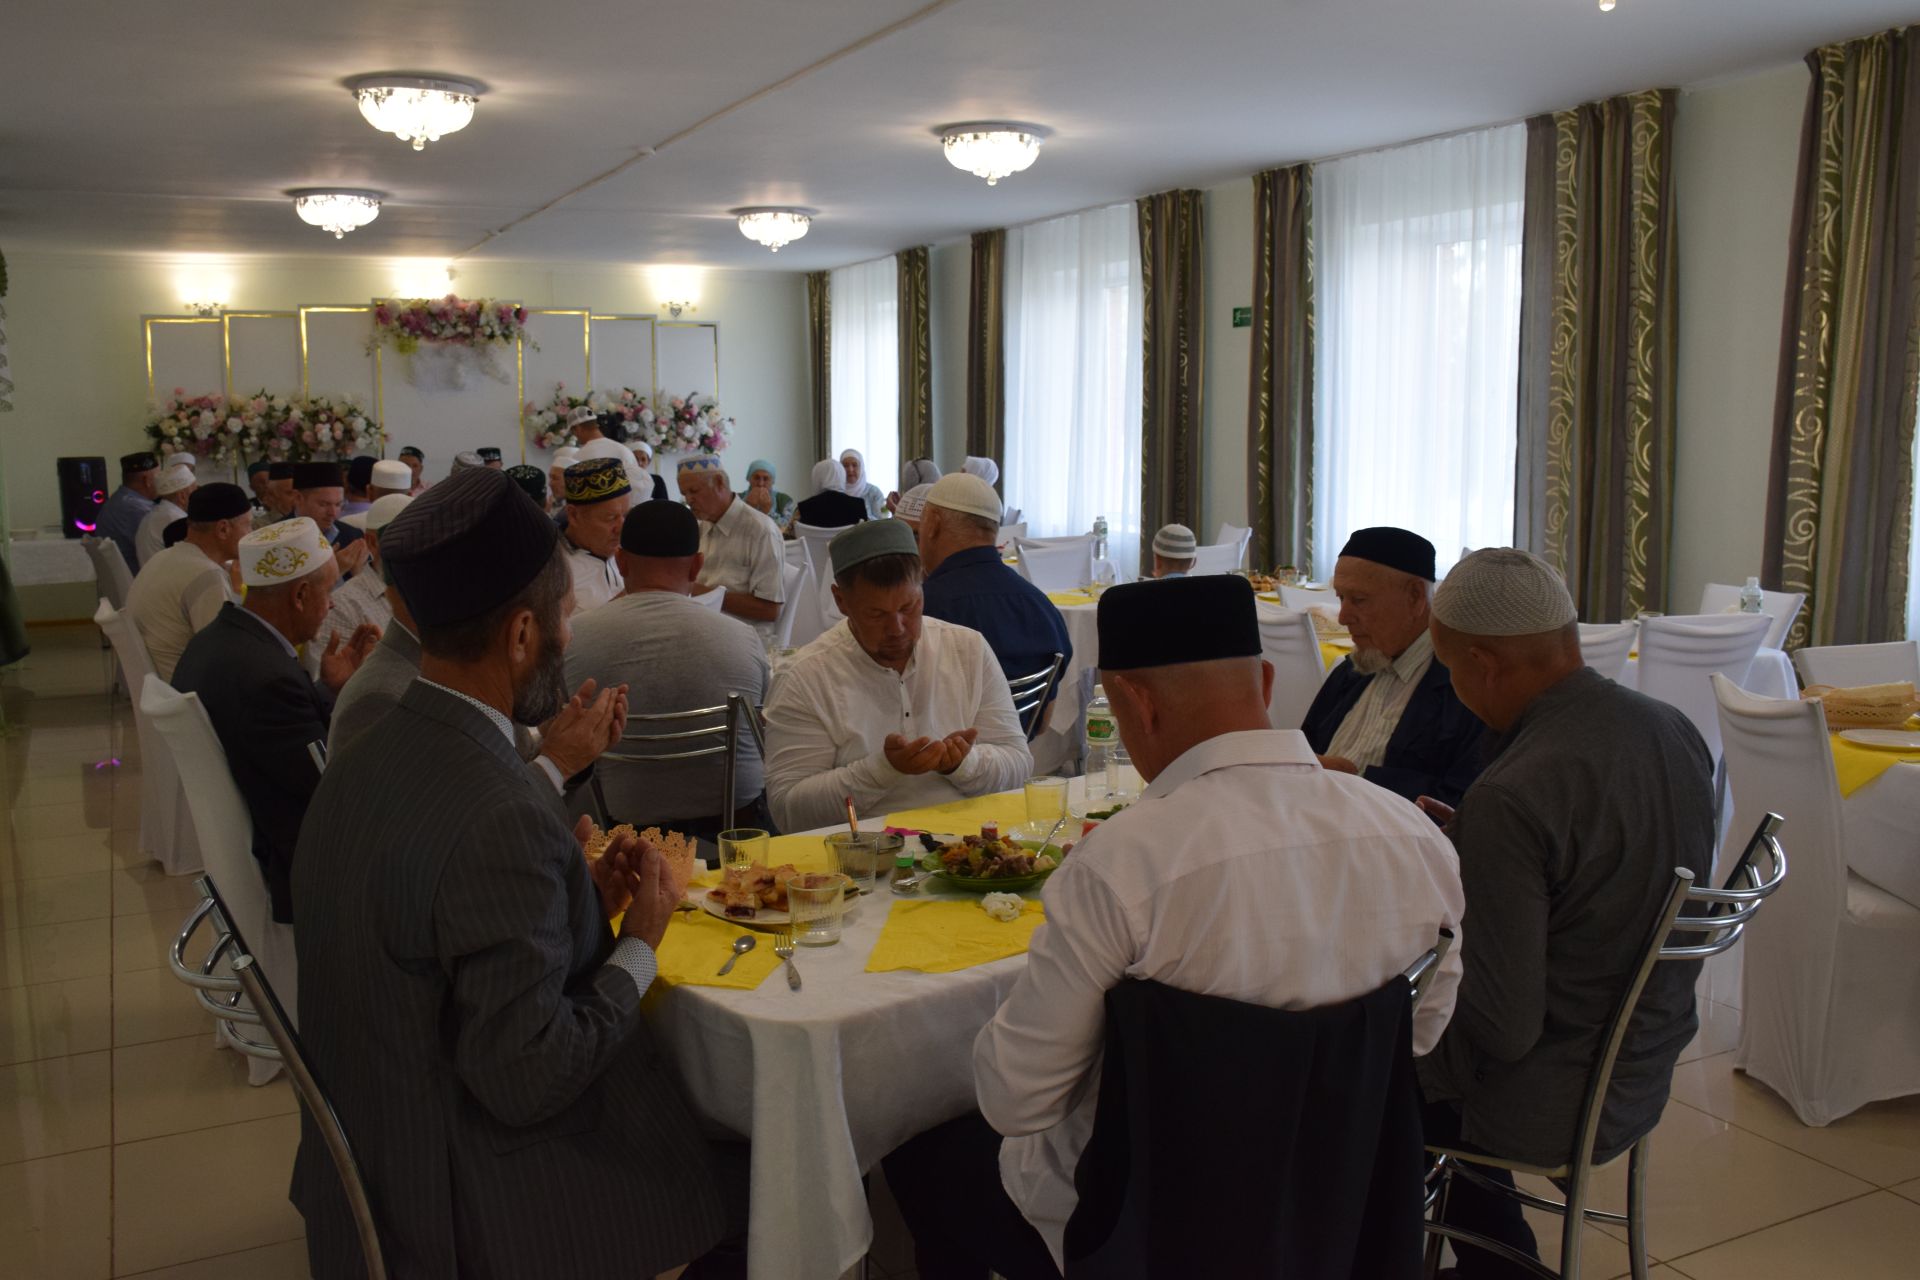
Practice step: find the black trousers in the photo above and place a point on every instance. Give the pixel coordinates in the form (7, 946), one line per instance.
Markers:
(964, 1225)
(1473, 1208)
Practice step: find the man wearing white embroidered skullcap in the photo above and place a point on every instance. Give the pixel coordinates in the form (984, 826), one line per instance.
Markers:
(1174, 549)
(174, 487)
(912, 504)
(390, 476)
(1568, 844)
(265, 710)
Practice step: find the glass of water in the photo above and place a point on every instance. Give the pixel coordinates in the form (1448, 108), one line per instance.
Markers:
(817, 902)
(743, 846)
(1046, 800)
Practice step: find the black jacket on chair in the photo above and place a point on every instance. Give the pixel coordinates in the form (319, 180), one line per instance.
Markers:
(1436, 749)
(830, 510)
(1235, 1140)
(265, 710)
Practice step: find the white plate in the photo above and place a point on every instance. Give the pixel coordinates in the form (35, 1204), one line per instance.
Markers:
(766, 917)
(1885, 739)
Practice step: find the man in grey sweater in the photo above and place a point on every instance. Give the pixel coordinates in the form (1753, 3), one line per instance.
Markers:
(1568, 843)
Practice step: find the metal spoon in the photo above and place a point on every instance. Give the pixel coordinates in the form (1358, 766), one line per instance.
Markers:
(741, 945)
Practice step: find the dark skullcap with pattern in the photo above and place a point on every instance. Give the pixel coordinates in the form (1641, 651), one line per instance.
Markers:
(597, 480)
(532, 482)
(412, 451)
(134, 463)
(488, 454)
(469, 544)
(1171, 621)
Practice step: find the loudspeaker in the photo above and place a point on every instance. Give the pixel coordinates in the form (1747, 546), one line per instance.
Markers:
(83, 491)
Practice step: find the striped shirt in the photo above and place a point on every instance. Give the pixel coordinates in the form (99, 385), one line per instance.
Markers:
(1363, 736)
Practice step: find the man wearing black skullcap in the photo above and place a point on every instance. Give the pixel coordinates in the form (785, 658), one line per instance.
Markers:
(359, 474)
(490, 457)
(416, 461)
(1388, 712)
(127, 506)
(278, 499)
(260, 480)
(532, 482)
(182, 587)
(1245, 871)
(476, 1021)
(319, 493)
(673, 654)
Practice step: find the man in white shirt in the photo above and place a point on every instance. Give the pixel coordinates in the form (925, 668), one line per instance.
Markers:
(1245, 871)
(741, 549)
(175, 489)
(361, 600)
(892, 709)
(184, 585)
(598, 495)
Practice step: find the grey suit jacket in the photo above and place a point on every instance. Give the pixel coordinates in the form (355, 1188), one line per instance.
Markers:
(512, 1114)
(376, 687)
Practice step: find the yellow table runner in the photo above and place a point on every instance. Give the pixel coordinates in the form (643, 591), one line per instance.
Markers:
(941, 935)
(697, 944)
(964, 817)
(1855, 766)
(1067, 599)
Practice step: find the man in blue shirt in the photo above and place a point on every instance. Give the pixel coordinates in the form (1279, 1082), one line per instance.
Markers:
(121, 514)
(968, 584)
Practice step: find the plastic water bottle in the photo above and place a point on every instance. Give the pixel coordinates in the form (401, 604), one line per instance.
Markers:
(1099, 537)
(1752, 598)
(1103, 739)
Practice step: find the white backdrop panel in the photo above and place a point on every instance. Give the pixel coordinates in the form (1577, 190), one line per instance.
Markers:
(688, 359)
(444, 399)
(337, 363)
(623, 354)
(184, 352)
(560, 361)
(263, 351)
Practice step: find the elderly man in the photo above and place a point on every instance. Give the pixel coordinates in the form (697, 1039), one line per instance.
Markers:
(673, 655)
(1246, 871)
(480, 1031)
(598, 495)
(918, 473)
(183, 586)
(740, 549)
(389, 478)
(416, 463)
(260, 480)
(360, 601)
(557, 483)
(127, 506)
(1388, 712)
(888, 708)
(912, 505)
(279, 496)
(265, 709)
(319, 491)
(970, 586)
(763, 497)
(1174, 549)
(359, 477)
(1568, 844)
(172, 491)
(466, 460)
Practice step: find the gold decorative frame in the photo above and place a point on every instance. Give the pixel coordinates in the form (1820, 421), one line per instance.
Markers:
(306, 384)
(653, 358)
(226, 341)
(147, 325)
(688, 324)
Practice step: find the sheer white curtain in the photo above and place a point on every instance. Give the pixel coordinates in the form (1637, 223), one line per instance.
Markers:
(1913, 551)
(1417, 290)
(864, 346)
(1073, 316)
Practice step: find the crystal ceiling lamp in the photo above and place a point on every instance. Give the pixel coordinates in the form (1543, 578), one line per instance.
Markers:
(773, 225)
(416, 109)
(337, 209)
(992, 149)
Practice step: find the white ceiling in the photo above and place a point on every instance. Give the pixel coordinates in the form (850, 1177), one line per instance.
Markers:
(175, 127)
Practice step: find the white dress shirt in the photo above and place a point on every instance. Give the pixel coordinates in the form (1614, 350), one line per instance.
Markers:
(832, 708)
(745, 554)
(179, 592)
(1363, 736)
(150, 539)
(360, 599)
(595, 581)
(1244, 871)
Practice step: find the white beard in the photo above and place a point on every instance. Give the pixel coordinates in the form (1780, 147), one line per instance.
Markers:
(1370, 662)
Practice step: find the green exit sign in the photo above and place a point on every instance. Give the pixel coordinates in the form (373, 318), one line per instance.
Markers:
(1242, 317)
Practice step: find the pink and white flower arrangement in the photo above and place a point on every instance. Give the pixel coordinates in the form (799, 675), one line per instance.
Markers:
(689, 424)
(214, 427)
(464, 322)
(325, 427)
(548, 422)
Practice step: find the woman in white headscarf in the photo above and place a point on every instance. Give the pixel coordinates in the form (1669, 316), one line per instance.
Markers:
(831, 506)
(859, 486)
(986, 468)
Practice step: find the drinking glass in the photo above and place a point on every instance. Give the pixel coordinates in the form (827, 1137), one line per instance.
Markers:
(743, 846)
(864, 859)
(1046, 801)
(817, 902)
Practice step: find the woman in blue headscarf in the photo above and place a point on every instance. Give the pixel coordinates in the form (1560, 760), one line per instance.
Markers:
(763, 497)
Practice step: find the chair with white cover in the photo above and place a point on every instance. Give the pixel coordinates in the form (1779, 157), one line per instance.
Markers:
(1221, 557)
(1289, 642)
(1300, 599)
(112, 577)
(220, 813)
(1238, 535)
(166, 827)
(715, 599)
(1056, 564)
(826, 612)
(1845, 666)
(796, 590)
(1677, 655)
(1008, 533)
(1604, 646)
(1782, 606)
(1830, 1007)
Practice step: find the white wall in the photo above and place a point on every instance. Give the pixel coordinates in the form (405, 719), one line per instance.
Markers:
(951, 271)
(1229, 245)
(79, 363)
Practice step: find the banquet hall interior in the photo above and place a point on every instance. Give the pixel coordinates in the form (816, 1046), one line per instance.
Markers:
(1306, 295)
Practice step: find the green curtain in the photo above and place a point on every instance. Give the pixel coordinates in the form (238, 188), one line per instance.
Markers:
(1594, 475)
(1174, 330)
(820, 360)
(916, 356)
(1280, 399)
(987, 348)
(1840, 493)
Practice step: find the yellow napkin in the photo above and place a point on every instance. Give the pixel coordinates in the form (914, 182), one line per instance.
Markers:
(1067, 599)
(1334, 654)
(697, 944)
(1855, 766)
(964, 817)
(940, 935)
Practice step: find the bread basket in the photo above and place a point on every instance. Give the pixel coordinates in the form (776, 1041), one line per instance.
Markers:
(1876, 706)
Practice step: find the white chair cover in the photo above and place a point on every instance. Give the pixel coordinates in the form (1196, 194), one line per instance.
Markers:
(1782, 606)
(826, 614)
(166, 827)
(111, 575)
(1845, 665)
(1678, 654)
(1237, 536)
(1288, 641)
(1830, 1004)
(1223, 557)
(713, 600)
(1300, 599)
(797, 588)
(219, 810)
(1009, 532)
(1056, 564)
(796, 550)
(1605, 646)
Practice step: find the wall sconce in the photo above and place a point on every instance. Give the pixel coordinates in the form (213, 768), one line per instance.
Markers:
(675, 308)
(206, 309)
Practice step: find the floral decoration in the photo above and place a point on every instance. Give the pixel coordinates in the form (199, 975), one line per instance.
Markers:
(322, 427)
(465, 322)
(215, 427)
(548, 422)
(689, 424)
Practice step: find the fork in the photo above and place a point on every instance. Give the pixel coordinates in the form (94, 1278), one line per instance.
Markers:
(783, 947)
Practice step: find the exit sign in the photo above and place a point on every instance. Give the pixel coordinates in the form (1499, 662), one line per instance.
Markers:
(1242, 317)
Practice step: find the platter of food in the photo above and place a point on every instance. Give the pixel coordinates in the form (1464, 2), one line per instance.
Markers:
(990, 862)
(755, 896)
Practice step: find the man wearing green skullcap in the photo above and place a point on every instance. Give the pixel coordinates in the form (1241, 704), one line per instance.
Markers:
(763, 497)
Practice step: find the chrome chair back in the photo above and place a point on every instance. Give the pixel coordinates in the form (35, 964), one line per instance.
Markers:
(1032, 693)
(708, 733)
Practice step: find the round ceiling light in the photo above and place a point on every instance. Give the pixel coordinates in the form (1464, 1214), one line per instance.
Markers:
(773, 225)
(992, 149)
(416, 109)
(337, 209)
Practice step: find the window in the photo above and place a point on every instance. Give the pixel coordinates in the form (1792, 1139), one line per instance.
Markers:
(1073, 316)
(864, 348)
(1417, 297)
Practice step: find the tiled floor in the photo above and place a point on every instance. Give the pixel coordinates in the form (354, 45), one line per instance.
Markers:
(130, 1145)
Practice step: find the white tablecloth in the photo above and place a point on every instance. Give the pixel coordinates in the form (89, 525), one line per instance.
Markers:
(1880, 830)
(48, 559)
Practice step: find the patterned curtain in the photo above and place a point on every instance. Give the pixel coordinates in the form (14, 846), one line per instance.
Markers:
(916, 357)
(820, 360)
(1280, 400)
(1839, 498)
(1173, 292)
(987, 348)
(1594, 473)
